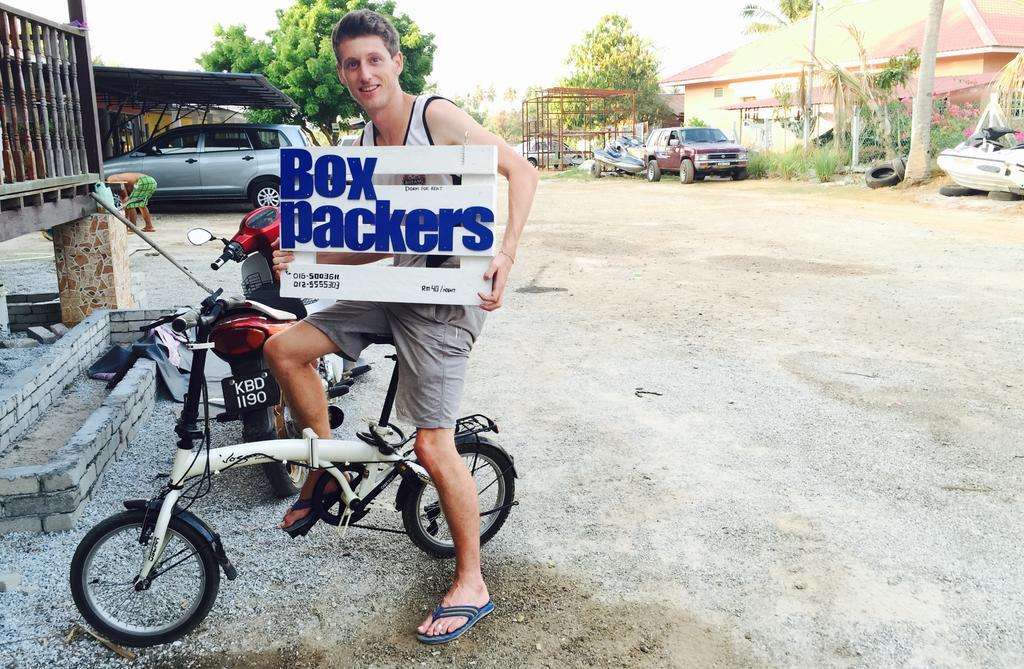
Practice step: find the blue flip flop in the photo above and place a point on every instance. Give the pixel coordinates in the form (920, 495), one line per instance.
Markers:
(473, 613)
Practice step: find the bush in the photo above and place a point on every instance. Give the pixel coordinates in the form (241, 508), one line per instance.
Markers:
(951, 124)
(759, 165)
(792, 164)
(827, 162)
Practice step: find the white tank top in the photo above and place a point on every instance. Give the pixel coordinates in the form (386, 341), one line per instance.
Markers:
(417, 134)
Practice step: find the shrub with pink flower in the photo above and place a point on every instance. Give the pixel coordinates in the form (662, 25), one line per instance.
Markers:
(951, 124)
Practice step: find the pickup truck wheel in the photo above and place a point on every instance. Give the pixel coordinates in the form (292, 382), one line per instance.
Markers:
(687, 172)
(653, 171)
(739, 174)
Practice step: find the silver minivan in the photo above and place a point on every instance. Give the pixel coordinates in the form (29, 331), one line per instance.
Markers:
(233, 161)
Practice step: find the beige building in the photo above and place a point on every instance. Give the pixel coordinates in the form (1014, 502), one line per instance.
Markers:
(739, 91)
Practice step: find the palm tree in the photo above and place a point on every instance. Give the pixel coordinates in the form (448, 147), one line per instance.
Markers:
(918, 168)
(763, 20)
(1009, 87)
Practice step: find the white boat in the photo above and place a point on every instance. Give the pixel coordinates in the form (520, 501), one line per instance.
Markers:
(986, 161)
(984, 168)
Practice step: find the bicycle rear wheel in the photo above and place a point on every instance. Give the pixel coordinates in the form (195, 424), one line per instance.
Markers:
(179, 597)
(492, 472)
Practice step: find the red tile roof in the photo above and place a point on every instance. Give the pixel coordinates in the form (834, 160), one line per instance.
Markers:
(889, 28)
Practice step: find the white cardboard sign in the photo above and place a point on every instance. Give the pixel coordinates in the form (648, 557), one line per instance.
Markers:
(380, 200)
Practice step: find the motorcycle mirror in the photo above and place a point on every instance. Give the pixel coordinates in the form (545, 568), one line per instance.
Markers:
(199, 236)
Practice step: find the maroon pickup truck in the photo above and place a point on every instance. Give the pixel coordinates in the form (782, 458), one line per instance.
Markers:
(694, 153)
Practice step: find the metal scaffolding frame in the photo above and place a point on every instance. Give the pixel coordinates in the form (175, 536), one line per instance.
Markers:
(587, 117)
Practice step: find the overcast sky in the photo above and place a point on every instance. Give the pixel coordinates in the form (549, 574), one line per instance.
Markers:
(510, 44)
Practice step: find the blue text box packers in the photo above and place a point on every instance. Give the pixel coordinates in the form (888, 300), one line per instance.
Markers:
(330, 227)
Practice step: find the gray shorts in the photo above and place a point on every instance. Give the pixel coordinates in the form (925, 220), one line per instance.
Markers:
(433, 344)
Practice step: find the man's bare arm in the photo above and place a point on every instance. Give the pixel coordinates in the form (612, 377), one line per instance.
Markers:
(452, 126)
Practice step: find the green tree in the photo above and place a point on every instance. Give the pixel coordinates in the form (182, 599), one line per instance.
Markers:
(762, 20)
(298, 59)
(613, 56)
(507, 124)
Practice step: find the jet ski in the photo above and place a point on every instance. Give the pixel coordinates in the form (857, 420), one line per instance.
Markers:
(616, 156)
(984, 162)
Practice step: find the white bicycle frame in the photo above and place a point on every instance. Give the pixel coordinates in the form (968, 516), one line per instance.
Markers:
(310, 450)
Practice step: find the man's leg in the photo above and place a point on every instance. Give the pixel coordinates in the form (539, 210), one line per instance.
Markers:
(149, 221)
(289, 355)
(130, 213)
(435, 450)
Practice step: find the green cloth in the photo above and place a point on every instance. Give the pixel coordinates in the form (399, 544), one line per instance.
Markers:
(144, 189)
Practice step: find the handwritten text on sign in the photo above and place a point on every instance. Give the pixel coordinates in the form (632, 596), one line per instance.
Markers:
(360, 199)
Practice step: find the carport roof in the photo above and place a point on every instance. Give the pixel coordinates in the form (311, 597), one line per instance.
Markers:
(133, 87)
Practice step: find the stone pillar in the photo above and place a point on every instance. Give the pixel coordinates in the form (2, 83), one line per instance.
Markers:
(92, 266)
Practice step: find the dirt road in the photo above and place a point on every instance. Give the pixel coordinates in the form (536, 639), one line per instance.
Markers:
(757, 424)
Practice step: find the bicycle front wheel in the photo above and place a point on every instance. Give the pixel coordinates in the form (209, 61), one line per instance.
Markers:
(179, 596)
(495, 482)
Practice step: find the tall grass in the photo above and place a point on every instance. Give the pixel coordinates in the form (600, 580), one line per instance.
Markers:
(823, 163)
(792, 164)
(759, 165)
(826, 162)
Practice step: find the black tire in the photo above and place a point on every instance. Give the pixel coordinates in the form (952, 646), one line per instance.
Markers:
(116, 624)
(265, 192)
(532, 161)
(477, 456)
(958, 191)
(687, 172)
(900, 167)
(1000, 196)
(740, 174)
(595, 169)
(881, 176)
(653, 171)
(285, 480)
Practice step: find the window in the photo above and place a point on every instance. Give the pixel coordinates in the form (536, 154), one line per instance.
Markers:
(674, 135)
(265, 139)
(719, 92)
(184, 142)
(227, 140)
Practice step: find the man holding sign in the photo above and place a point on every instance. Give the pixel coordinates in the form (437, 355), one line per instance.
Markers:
(432, 341)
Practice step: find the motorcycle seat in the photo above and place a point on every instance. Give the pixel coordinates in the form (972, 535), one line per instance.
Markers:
(276, 314)
(270, 297)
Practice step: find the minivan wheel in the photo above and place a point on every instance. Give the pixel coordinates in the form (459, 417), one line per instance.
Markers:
(265, 193)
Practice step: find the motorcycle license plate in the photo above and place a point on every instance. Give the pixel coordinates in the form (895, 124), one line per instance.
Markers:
(249, 393)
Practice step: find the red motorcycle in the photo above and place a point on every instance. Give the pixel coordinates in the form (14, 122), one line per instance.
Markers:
(251, 394)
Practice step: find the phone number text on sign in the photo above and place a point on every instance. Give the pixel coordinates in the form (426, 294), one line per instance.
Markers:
(315, 279)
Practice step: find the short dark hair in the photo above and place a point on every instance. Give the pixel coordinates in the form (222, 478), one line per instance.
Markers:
(363, 22)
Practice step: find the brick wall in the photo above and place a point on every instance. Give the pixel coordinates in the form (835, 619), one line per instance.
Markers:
(24, 311)
(29, 392)
(51, 497)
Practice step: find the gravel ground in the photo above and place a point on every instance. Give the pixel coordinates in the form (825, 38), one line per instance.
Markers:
(764, 425)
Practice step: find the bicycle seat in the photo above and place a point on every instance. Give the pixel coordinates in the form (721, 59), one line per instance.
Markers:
(381, 339)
